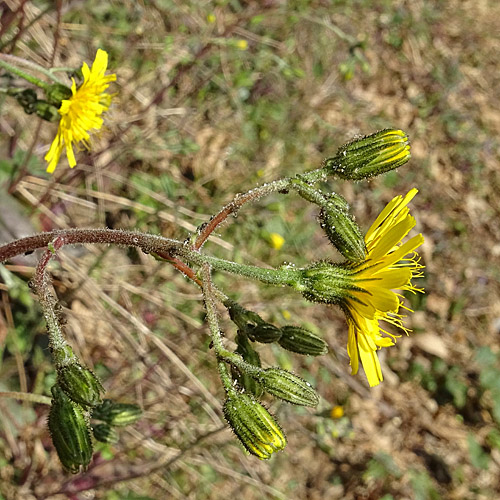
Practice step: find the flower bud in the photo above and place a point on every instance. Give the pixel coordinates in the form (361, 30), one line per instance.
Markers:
(117, 414)
(370, 155)
(251, 356)
(80, 384)
(27, 98)
(341, 228)
(105, 433)
(69, 430)
(47, 111)
(287, 386)
(265, 333)
(252, 325)
(254, 426)
(302, 341)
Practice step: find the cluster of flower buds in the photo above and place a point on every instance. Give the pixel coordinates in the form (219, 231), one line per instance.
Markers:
(252, 327)
(76, 399)
(359, 159)
(47, 109)
(70, 427)
(255, 427)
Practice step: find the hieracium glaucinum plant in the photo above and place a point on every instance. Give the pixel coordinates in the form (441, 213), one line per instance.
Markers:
(366, 280)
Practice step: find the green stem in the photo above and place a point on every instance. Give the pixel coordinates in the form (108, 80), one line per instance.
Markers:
(213, 324)
(19, 61)
(27, 396)
(304, 189)
(19, 72)
(279, 277)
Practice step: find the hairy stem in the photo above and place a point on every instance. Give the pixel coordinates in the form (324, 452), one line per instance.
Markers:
(49, 73)
(255, 194)
(283, 276)
(148, 243)
(213, 323)
(26, 396)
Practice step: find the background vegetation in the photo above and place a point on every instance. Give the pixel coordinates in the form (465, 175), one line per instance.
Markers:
(212, 98)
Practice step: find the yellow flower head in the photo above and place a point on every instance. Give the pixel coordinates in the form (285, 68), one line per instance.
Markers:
(365, 289)
(389, 265)
(82, 112)
(276, 240)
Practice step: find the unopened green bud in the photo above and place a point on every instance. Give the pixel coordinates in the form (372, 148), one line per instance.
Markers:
(27, 98)
(326, 282)
(57, 93)
(370, 155)
(251, 356)
(265, 333)
(105, 433)
(241, 317)
(117, 414)
(287, 386)
(302, 341)
(47, 111)
(69, 430)
(80, 384)
(254, 426)
(251, 324)
(341, 228)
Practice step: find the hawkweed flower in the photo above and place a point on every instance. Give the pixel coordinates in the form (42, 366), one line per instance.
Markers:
(82, 111)
(390, 265)
(369, 291)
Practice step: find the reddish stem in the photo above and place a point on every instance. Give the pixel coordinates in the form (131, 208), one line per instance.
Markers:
(181, 266)
(148, 243)
(232, 207)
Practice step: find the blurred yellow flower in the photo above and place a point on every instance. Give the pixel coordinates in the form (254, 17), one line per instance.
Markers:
(211, 18)
(286, 314)
(389, 265)
(82, 112)
(276, 240)
(337, 412)
(242, 44)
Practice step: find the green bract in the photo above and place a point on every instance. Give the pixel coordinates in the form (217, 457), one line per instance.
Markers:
(105, 433)
(69, 429)
(80, 384)
(325, 282)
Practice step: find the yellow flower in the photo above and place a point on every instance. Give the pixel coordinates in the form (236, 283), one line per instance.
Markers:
(242, 44)
(337, 411)
(389, 265)
(276, 240)
(82, 112)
